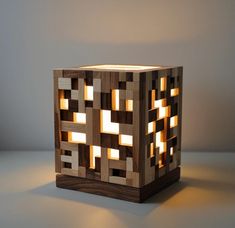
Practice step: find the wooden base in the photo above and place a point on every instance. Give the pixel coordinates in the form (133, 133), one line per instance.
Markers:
(117, 191)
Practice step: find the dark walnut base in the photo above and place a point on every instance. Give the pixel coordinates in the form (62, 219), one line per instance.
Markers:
(117, 191)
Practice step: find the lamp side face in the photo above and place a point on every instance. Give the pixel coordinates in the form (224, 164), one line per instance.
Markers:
(163, 117)
(117, 127)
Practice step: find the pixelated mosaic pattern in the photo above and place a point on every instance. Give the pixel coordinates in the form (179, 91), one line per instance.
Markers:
(121, 128)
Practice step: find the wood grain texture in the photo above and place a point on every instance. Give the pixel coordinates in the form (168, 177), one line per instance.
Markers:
(142, 110)
(104, 165)
(68, 146)
(180, 75)
(64, 83)
(117, 164)
(81, 103)
(89, 126)
(142, 129)
(57, 128)
(117, 191)
(132, 179)
(117, 180)
(75, 127)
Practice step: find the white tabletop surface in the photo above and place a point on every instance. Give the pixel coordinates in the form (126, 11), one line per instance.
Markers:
(205, 196)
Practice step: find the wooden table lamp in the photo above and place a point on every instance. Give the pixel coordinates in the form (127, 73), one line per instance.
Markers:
(118, 129)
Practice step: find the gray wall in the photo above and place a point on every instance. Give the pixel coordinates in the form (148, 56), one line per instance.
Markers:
(36, 36)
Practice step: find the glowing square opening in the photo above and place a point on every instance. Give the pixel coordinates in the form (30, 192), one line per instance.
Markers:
(95, 151)
(126, 140)
(115, 99)
(159, 103)
(79, 117)
(163, 84)
(174, 92)
(171, 151)
(164, 112)
(173, 121)
(151, 150)
(160, 163)
(88, 93)
(153, 97)
(113, 154)
(129, 105)
(160, 143)
(106, 125)
(64, 104)
(151, 127)
(77, 137)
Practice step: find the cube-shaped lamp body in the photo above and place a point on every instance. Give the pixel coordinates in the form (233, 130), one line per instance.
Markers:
(118, 129)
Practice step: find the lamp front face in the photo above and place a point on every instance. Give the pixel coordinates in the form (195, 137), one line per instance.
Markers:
(118, 124)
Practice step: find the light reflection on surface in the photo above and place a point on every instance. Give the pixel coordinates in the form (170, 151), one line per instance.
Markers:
(28, 182)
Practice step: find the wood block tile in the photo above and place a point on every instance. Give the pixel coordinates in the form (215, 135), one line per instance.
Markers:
(117, 164)
(117, 180)
(64, 83)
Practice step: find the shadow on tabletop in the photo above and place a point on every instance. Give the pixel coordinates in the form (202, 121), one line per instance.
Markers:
(50, 190)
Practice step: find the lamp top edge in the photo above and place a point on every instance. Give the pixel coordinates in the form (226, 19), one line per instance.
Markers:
(135, 68)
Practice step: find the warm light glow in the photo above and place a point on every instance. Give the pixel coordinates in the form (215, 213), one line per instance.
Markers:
(120, 67)
(160, 143)
(153, 98)
(88, 93)
(95, 151)
(106, 125)
(129, 105)
(126, 140)
(160, 103)
(79, 118)
(158, 138)
(171, 151)
(113, 154)
(164, 112)
(64, 104)
(173, 121)
(115, 99)
(160, 163)
(163, 84)
(162, 147)
(151, 150)
(77, 137)
(151, 127)
(174, 92)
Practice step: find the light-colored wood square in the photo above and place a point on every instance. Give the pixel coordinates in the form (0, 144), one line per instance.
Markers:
(64, 83)
(133, 179)
(69, 172)
(97, 85)
(117, 164)
(117, 180)
(129, 164)
(74, 94)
